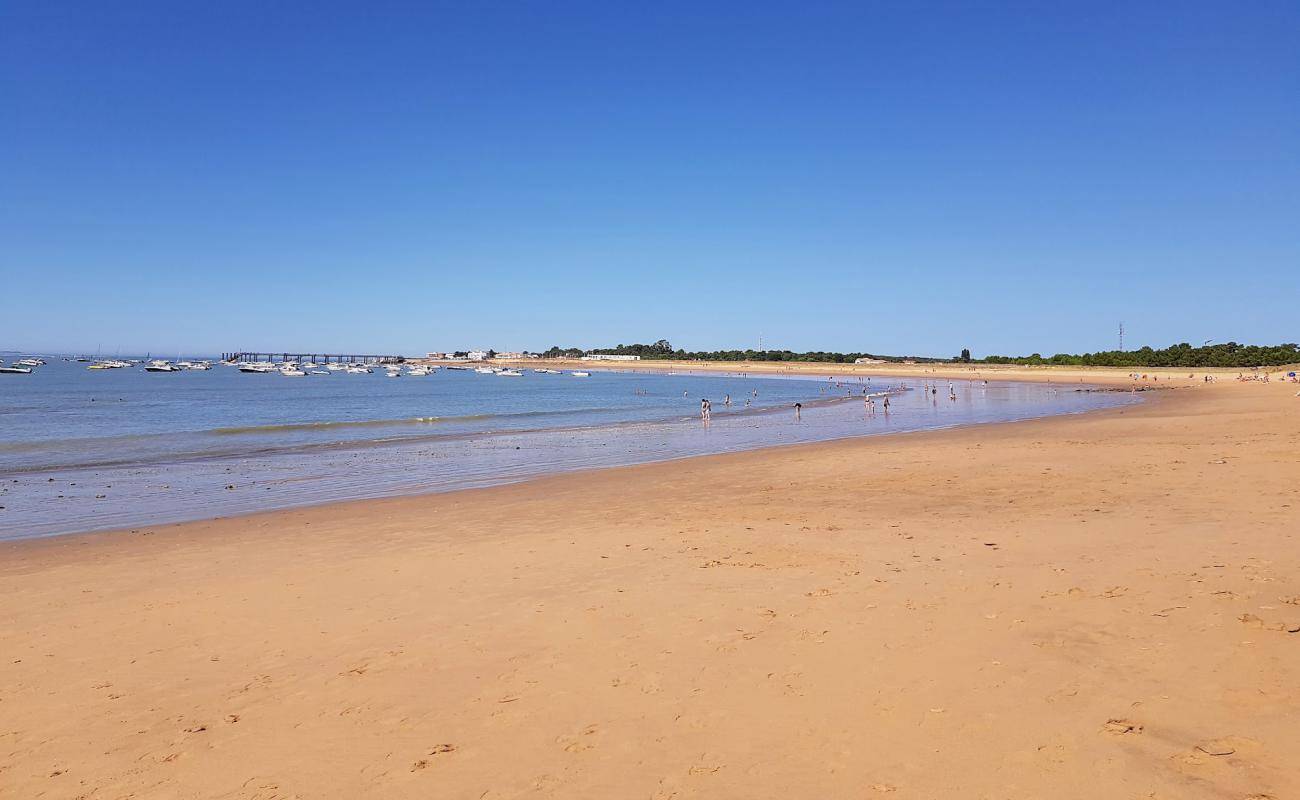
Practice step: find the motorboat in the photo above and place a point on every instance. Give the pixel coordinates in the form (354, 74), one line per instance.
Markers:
(320, 372)
(259, 367)
(292, 372)
(14, 369)
(485, 370)
(161, 366)
(29, 362)
(580, 374)
(510, 373)
(358, 371)
(545, 371)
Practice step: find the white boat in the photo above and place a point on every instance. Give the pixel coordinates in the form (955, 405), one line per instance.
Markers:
(393, 374)
(580, 374)
(545, 371)
(335, 367)
(319, 372)
(292, 372)
(161, 366)
(14, 369)
(358, 371)
(485, 370)
(510, 373)
(257, 367)
(29, 362)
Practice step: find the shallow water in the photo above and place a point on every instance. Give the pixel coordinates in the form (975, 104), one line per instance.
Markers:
(84, 450)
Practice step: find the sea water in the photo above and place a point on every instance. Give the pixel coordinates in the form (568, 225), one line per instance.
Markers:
(86, 449)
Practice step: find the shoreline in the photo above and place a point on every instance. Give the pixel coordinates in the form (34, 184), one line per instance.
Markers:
(1111, 376)
(234, 506)
(1075, 606)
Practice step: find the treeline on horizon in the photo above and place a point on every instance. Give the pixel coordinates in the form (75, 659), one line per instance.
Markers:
(1228, 355)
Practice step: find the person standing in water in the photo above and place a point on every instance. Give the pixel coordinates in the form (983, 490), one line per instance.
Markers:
(704, 409)
(798, 410)
(886, 404)
(726, 400)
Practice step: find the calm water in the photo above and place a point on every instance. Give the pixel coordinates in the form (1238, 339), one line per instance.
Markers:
(84, 450)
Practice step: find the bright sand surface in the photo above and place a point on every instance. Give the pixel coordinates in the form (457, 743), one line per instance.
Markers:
(1082, 607)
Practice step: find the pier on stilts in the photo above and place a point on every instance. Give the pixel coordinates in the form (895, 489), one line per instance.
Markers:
(311, 358)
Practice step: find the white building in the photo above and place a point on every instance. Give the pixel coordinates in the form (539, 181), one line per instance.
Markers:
(478, 355)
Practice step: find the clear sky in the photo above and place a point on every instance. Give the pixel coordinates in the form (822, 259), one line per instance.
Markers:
(894, 177)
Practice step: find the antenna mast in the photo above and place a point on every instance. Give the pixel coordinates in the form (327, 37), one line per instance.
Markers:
(1121, 337)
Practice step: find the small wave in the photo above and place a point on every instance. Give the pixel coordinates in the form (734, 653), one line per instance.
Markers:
(290, 427)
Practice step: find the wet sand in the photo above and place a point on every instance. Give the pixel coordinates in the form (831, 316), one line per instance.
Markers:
(1087, 606)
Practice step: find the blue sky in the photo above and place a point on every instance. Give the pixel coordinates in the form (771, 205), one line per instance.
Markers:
(889, 177)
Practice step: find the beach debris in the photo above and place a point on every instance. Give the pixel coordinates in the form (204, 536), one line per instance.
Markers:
(230, 486)
(197, 729)
(1164, 612)
(1217, 747)
(1119, 727)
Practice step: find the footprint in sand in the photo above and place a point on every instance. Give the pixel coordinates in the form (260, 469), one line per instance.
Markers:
(1255, 622)
(1119, 727)
(578, 743)
(437, 749)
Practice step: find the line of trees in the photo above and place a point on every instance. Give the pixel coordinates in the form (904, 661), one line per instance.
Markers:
(663, 349)
(1229, 354)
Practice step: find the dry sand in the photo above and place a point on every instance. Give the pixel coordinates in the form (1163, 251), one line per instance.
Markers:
(1084, 607)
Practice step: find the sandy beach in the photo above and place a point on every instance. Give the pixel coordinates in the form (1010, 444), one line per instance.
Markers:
(1157, 377)
(1103, 605)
